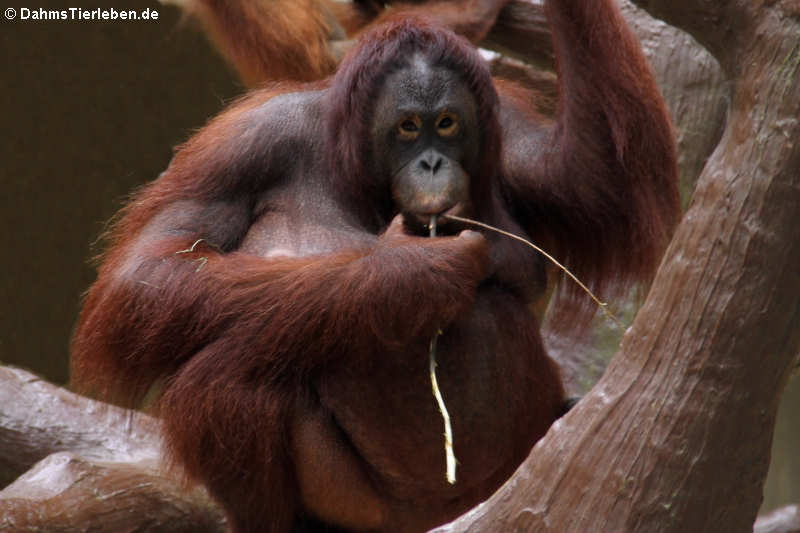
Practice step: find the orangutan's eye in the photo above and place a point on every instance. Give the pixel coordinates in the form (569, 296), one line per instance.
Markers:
(409, 128)
(447, 124)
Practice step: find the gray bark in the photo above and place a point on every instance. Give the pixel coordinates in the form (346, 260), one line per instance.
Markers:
(676, 435)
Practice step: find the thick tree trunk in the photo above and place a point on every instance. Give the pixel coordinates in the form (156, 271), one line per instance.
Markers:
(676, 435)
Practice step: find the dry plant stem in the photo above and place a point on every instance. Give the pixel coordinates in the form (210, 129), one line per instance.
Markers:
(603, 305)
(448, 428)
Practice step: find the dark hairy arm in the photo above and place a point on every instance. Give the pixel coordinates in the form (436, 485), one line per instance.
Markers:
(598, 186)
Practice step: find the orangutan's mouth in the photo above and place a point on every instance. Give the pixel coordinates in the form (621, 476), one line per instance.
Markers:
(420, 224)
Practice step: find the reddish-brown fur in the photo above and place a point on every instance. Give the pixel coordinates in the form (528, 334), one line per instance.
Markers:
(274, 40)
(296, 387)
(297, 40)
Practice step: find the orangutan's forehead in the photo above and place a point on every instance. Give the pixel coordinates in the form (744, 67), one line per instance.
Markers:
(421, 84)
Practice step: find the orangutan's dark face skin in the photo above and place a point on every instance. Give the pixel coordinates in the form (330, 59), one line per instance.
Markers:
(426, 140)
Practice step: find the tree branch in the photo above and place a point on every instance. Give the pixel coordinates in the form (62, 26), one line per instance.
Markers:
(783, 520)
(97, 467)
(39, 419)
(676, 435)
(725, 27)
